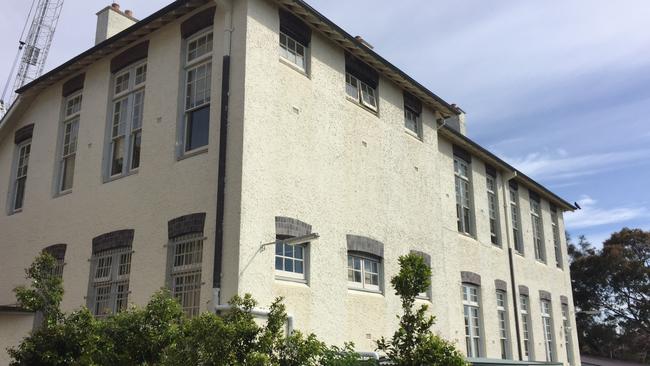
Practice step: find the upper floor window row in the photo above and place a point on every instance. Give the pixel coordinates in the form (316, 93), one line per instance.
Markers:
(361, 82)
(295, 37)
(465, 215)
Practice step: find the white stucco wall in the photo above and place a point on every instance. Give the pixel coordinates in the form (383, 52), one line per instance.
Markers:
(312, 154)
(163, 188)
(297, 147)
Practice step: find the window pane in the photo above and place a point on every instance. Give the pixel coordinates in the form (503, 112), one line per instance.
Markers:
(136, 141)
(20, 193)
(198, 126)
(68, 173)
(117, 161)
(278, 263)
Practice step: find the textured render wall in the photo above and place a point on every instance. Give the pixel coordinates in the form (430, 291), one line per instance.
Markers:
(163, 189)
(311, 154)
(14, 327)
(337, 167)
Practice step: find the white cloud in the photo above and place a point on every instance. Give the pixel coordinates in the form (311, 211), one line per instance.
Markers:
(591, 215)
(560, 165)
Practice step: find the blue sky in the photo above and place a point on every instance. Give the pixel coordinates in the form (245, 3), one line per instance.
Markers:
(560, 89)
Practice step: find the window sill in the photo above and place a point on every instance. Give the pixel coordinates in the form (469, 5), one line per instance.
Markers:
(195, 152)
(61, 194)
(118, 177)
(413, 134)
(466, 235)
(291, 279)
(365, 290)
(295, 67)
(364, 107)
(422, 298)
(13, 212)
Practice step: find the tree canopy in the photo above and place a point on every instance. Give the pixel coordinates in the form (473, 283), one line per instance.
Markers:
(160, 333)
(611, 289)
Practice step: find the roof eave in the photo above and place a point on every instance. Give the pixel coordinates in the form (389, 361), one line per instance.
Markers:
(464, 141)
(332, 31)
(138, 30)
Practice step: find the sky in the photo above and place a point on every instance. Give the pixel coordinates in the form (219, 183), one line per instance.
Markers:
(560, 89)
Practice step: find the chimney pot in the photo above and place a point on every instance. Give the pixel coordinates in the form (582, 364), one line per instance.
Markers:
(115, 6)
(128, 13)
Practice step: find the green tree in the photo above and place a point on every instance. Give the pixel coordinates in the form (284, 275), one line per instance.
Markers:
(611, 289)
(45, 290)
(414, 344)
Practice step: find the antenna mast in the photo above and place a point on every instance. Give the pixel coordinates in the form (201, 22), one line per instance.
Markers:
(33, 50)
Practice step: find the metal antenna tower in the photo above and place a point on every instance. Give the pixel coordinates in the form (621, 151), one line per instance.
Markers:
(33, 50)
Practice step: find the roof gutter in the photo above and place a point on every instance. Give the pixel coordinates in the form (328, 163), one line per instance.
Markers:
(145, 24)
(458, 138)
(302, 9)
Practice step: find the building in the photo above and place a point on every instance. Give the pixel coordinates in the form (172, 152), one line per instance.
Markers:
(176, 152)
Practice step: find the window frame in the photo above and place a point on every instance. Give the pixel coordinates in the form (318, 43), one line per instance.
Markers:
(284, 51)
(282, 274)
(504, 323)
(125, 132)
(359, 97)
(546, 313)
(185, 113)
(538, 230)
(20, 171)
(74, 120)
(568, 337)
(114, 286)
(464, 199)
(473, 341)
(493, 212)
(557, 241)
(190, 297)
(515, 220)
(526, 327)
(363, 286)
(417, 121)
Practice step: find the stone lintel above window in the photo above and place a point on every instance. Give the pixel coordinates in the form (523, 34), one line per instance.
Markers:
(501, 285)
(564, 300)
(113, 240)
(471, 278)
(57, 251)
(363, 244)
(288, 226)
(523, 290)
(544, 295)
(425, 256)
(187, 224)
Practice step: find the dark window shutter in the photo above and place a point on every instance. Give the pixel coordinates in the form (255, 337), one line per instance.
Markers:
(534, 196)
(361, 71)
(490, 170)
(133, 54)
(412, 103)
(295, 28)
(72, 85)
(198, 21)
(463, 154)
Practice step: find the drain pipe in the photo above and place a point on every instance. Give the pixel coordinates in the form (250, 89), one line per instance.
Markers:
(515, 302)
(257, 312)
(226, 6)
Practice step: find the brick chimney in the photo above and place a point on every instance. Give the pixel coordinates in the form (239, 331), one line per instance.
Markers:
(111, 21)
